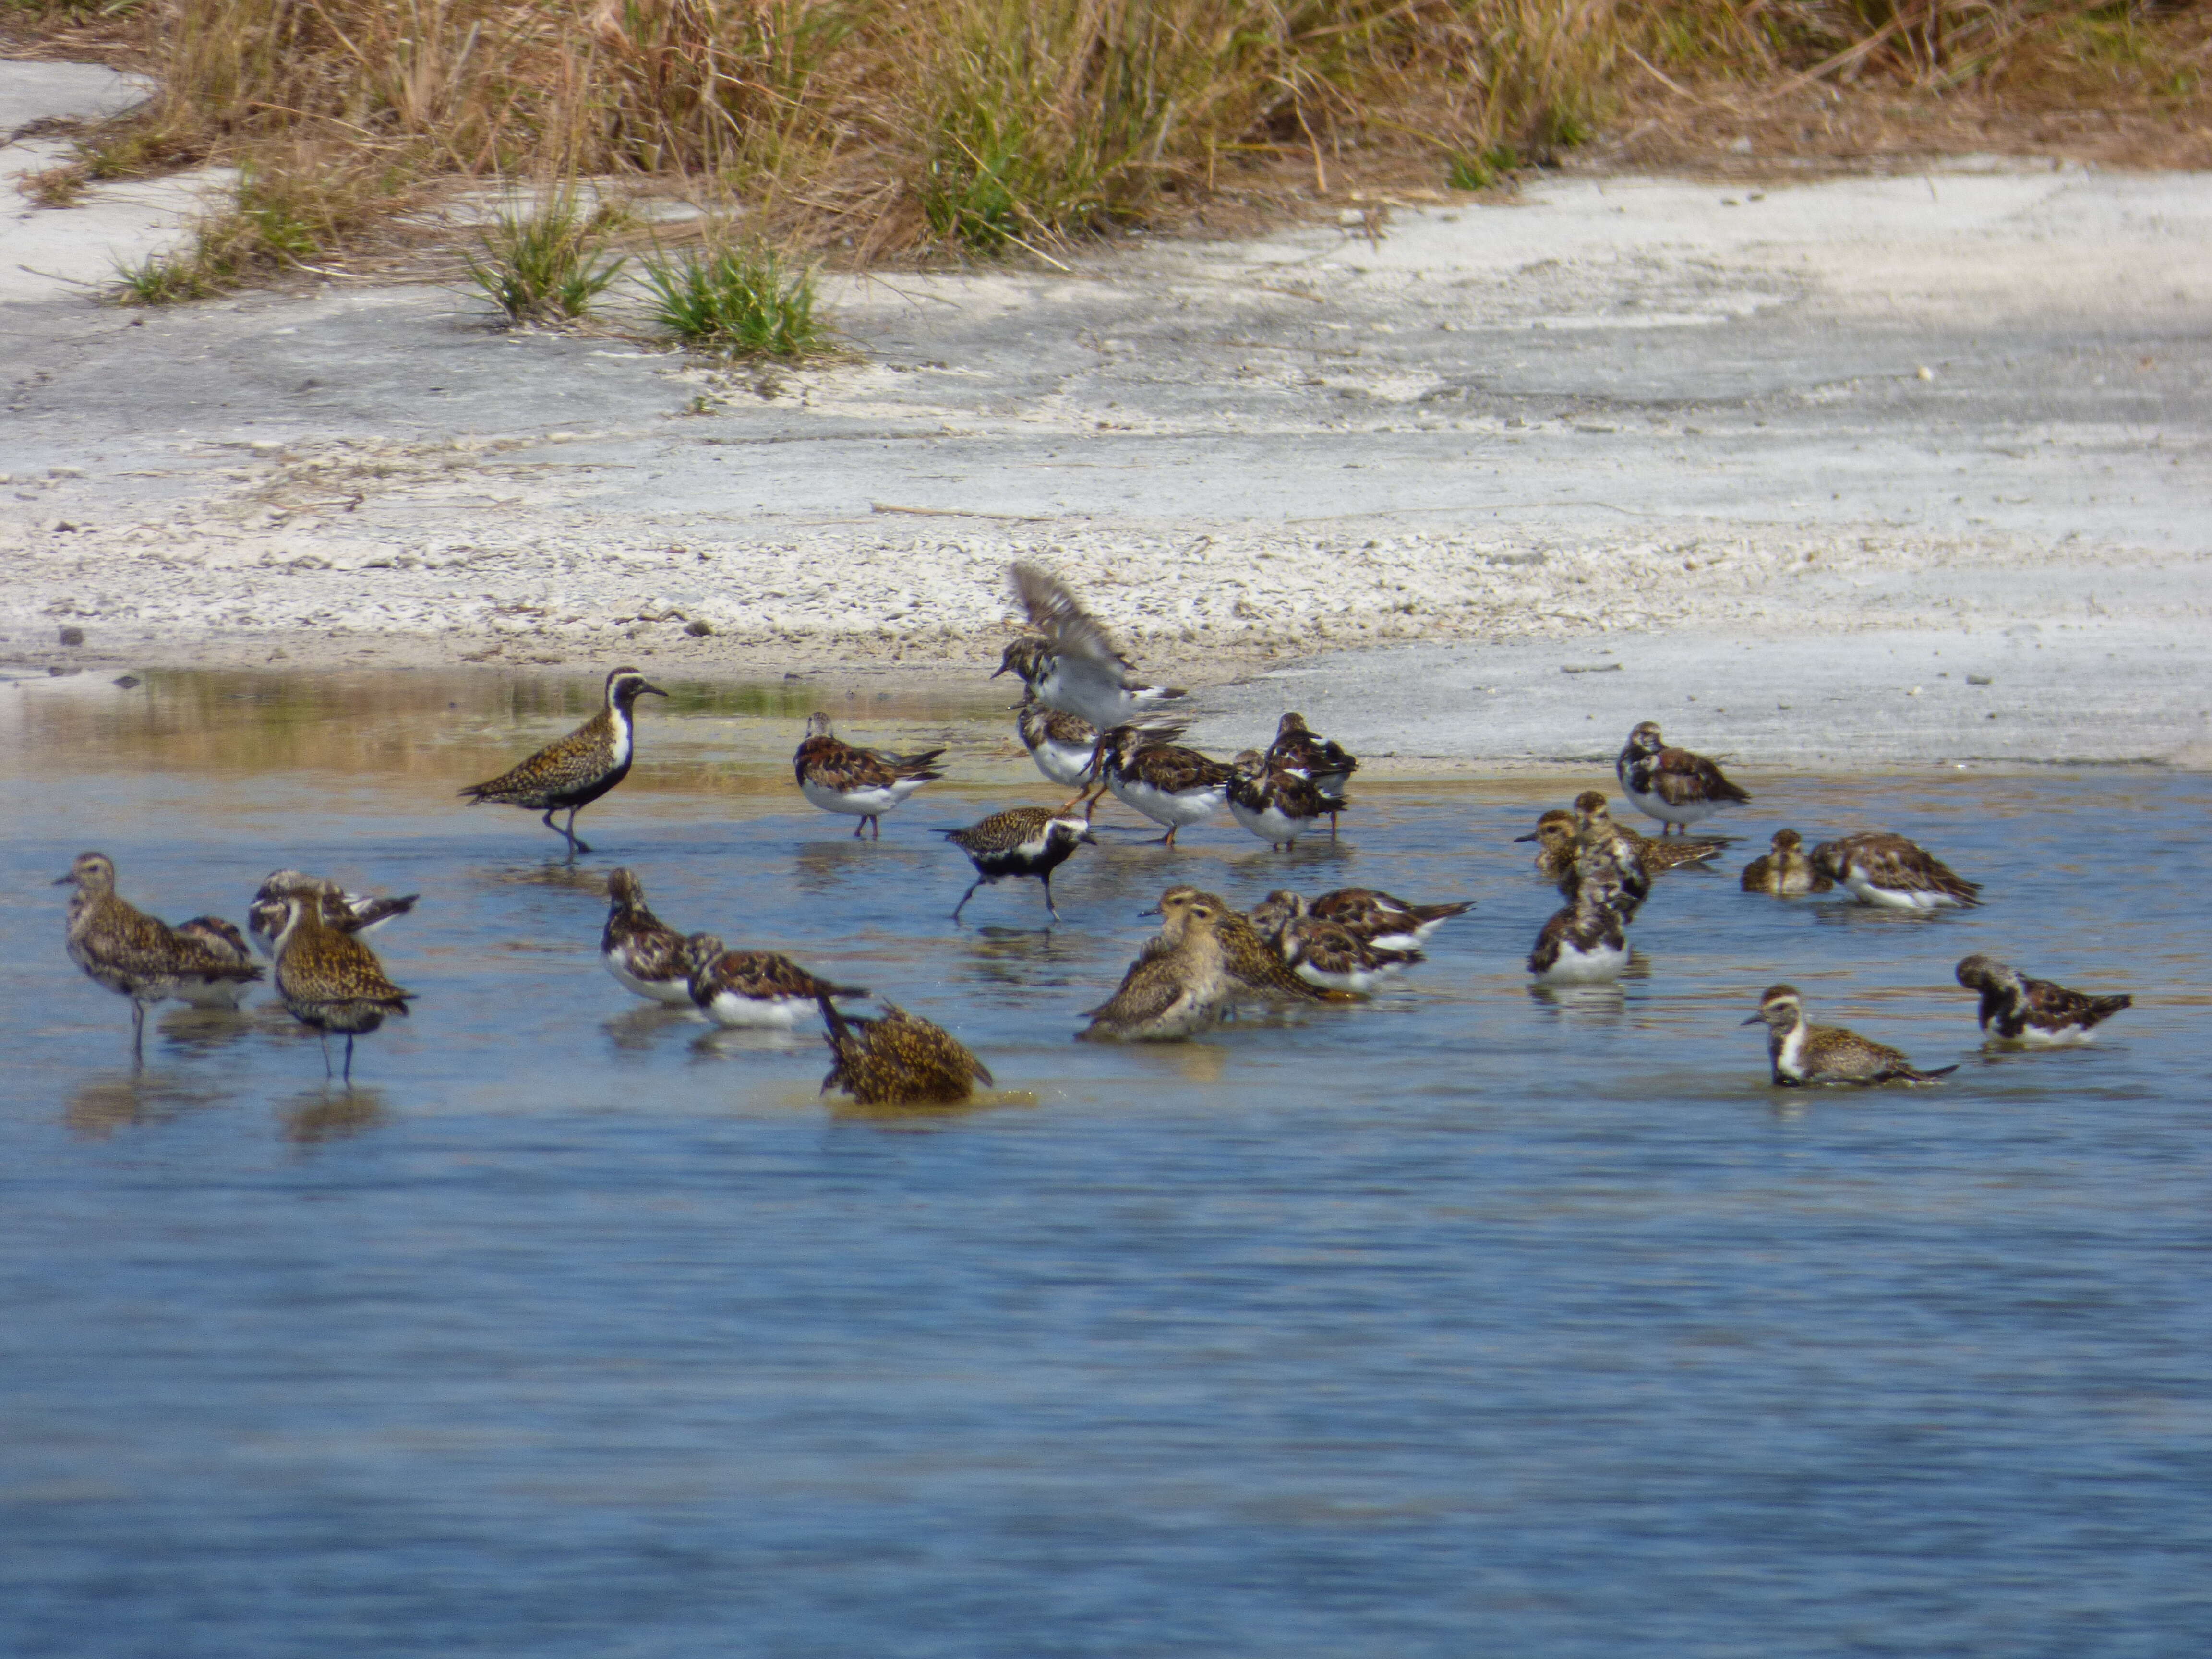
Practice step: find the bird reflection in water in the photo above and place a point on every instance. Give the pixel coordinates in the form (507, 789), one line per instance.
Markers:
(192, 1030)
(1586, 1007)
(727, 1041)
(101, 1107)
(846, 1110)
(322, 1115)
(638, 1030)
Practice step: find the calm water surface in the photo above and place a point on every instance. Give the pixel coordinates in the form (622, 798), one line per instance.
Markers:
(1466, 1321)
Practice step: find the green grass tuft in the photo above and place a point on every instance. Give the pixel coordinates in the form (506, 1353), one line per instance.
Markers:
(740, 302)
(1483, 169)
(546, 266)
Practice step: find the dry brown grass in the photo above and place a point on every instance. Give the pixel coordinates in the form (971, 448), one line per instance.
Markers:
(903, 128)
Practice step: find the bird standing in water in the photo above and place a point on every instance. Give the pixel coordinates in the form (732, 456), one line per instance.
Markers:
(134, 955)
(571, 774)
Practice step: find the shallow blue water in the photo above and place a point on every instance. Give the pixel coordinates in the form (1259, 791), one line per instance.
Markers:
(1465, 1321)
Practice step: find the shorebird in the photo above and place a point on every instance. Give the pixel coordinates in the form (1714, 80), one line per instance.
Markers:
(2017, 1009)
(865, 782)
(897, 1059)
(1894, 873)
(1329, 954)
(135, 955)
(1826, 1054)
(1063, 746)
(1178, 986)
(1256, 970)
(1075, 666)
(349, 913)
(1783, 870)
(1168, 785)
(1558, 835)
(1610, 855)
(1381, 919)
(1371, 917)
(1023, 840)
(1671, 784)
(569, 775)
(330, 981)
(753, 987)
(1275, 803)
(225, 941)
(644, 953)
(1583, 943)
(1330, 765)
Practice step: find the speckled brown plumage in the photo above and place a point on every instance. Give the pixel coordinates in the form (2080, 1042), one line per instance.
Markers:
(840, 777)
(1022, 841)
(1178, 986)
(1672, 784)
(331, 982)
(898, 1060)
(1382, 918)
(643, 953)
(1894, 873)
(570, 773)
(349, 913)
(1784, 870)
(1255, 967)
(1276, 803)
(1171, 785)
(1801, 1052)
(134, 955)
(2015, 1008)
(753, 987)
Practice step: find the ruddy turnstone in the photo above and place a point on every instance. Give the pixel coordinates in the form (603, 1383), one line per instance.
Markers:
(349, 913)
(1168, 785)
(897, 1059)
(1256, 970)
(753, 987)
(1178, 986)
(1328, 953)
(1023, 840)
(1828, 1054)
(644, 955)
(576, 771)
(2017, 1009)
(1894, 873)
(330, 981)
(1783, 870)
(867, 782)
(132, 954)
(1075, 667)
(1584, 944)
(1063, 746)
(226, 941)
(1276, 803)
(1381, 919)
(1298, 748)
(1672, 784)
(1609, 855)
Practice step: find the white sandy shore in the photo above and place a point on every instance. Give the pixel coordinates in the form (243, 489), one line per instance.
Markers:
(1968, 402)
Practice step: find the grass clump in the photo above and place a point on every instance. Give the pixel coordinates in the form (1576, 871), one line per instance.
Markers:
(739, 302)
(547, 266)
(1483, 169)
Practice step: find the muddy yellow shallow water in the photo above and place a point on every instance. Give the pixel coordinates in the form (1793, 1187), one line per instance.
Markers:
(1467, 1320)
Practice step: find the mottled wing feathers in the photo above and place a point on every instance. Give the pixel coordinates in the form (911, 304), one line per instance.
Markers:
(1680, 778)
(831, 764)
(1074, 632)
(561, 768)
(1167, 767)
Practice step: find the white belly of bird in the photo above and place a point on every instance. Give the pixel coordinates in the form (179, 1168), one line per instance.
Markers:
(1577, 966)
(214, 993)
(677, 992)
(728, 1008)
(1063, 765)
(861, 803)
(1894, 898)
(2039, 1037)
(1690, 812)
(1350, 979)
(1270, 824)
(1790, 1061)
(1176, 811)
